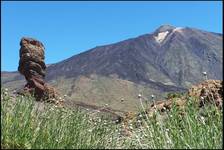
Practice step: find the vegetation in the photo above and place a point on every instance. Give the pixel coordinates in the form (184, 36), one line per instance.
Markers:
(24, 124)
(174, 95)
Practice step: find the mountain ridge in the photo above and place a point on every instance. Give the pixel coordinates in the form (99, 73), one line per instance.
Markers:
(170, 59)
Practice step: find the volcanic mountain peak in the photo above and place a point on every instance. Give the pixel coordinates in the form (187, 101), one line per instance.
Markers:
(163, 31)
(178, 29)
(164, 28)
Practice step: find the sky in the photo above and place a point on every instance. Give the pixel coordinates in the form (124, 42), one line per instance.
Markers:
(69, 28)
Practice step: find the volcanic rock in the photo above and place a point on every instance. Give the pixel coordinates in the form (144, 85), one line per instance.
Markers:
(209, 91)
(32, 66)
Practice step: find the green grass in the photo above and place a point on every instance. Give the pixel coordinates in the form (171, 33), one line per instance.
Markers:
(24, 125)
(197, 128)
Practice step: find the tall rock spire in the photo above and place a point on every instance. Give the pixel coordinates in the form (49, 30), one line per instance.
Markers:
(32, 66)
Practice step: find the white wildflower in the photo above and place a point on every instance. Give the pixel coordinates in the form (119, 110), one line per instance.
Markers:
(202, 119)
(139, 95)
(168, 142)
(152, 96)
(139, 121)
(204, 73)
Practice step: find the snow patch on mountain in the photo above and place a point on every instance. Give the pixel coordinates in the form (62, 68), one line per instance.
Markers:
(161, 36)
(178, 29)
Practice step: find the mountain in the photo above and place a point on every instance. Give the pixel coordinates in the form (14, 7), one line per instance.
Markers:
(170, 59)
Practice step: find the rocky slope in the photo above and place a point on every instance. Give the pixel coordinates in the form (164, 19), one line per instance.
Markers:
(170, 59)
(177, 60)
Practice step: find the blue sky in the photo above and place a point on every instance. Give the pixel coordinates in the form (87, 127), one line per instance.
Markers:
(68, 28)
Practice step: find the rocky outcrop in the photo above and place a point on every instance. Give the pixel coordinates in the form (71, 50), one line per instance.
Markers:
(32, 66)
(209, 91)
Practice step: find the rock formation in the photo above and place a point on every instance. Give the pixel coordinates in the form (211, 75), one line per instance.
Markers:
(209, 91)
(32, 66)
